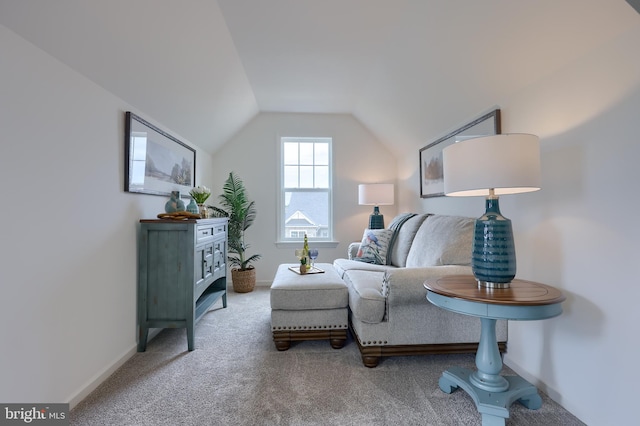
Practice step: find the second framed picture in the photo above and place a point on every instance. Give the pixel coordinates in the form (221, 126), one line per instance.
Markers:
(431, 171)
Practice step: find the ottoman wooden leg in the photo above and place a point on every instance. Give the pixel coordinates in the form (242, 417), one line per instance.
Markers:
(282, 340)
(283, 345)
(337, 343)
(370, 361)
(338, 338)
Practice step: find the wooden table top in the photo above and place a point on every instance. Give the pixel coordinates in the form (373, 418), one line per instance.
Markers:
(520, 292)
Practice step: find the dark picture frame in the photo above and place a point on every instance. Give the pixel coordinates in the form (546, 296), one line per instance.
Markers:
(155, 162)
(431, 172)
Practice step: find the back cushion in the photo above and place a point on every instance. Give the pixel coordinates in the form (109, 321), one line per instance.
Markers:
(404, 238)
(442, 240)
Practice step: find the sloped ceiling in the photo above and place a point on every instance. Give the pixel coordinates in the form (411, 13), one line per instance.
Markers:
(407, 69)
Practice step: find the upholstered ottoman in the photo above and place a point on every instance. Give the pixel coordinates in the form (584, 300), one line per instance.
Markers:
(313, 306)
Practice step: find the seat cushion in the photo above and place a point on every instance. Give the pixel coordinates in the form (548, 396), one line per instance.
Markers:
(442, 240)
(365, 295)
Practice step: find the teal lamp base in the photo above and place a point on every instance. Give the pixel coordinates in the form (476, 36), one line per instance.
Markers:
(494, 255)
(376, 220)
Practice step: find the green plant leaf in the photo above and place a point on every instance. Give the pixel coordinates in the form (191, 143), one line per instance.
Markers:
(241, 213)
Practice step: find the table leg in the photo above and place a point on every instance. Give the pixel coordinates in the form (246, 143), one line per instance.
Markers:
(142, 338)
(493, 394)
(190, 334)
(488, 360)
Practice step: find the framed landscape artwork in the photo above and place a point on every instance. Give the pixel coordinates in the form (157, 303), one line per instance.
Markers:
(156, 162)
(431, 172)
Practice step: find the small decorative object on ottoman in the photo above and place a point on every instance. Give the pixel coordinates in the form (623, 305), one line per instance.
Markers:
(313, 306)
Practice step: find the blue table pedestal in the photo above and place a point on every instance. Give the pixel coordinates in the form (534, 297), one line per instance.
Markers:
(493, 406)
(493, 393)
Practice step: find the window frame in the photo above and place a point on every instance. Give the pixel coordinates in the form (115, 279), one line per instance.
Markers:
(281, 239)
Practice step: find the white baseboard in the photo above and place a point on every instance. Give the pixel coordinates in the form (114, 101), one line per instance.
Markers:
(101, 377)
(552, 393)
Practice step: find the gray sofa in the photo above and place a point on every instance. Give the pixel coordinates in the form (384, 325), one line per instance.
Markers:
(389, 314)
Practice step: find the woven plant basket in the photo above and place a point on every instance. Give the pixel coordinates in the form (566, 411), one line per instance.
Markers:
(243, 281)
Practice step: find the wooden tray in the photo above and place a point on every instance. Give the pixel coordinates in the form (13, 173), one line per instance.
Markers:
(314, 270)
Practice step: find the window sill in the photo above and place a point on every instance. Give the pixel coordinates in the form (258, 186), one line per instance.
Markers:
(298, 244)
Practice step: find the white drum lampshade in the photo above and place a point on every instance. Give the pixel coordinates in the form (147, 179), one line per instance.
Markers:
(376, 194)
(491, 166)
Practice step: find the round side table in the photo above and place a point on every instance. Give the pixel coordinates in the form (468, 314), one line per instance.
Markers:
(493, 393)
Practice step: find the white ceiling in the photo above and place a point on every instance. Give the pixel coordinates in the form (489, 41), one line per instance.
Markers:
(407, 69)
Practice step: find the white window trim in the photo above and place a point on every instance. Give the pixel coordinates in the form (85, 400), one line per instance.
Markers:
(283, 242)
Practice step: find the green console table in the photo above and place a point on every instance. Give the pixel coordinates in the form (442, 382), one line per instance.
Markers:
(493, 393)
(181, 273)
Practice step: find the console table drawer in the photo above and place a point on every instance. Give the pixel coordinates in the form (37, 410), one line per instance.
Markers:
(220, 230)
(204, 233)
(208, 232)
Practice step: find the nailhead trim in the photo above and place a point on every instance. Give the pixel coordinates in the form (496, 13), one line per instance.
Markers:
(309, 327)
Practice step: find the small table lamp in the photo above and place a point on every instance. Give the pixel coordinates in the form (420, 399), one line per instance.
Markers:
(375, 194)
(492, 166)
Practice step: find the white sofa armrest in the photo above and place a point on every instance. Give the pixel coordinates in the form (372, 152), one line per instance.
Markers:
(406, 285)
(352, 251)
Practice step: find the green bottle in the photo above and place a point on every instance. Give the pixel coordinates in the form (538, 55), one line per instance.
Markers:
(305, 249)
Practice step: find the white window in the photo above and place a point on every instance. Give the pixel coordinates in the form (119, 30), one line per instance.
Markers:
(305, 183)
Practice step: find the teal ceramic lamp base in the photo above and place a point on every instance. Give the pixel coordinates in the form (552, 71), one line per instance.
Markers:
(492, 165)
(376, 220)
(494, 256)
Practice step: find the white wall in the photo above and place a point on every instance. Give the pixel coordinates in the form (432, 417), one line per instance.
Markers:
(253, 155)
(580, 233)
(68, 265)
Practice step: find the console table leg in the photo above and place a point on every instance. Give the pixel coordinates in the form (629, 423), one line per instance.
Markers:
(143, 335)
(190, 334)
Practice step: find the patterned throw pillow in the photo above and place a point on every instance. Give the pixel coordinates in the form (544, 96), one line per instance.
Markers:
(374, 246)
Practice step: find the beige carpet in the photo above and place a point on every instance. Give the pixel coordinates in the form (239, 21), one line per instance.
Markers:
(235, 376)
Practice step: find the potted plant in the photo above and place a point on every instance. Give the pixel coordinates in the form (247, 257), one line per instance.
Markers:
(303, 265)
(199, 194)
(241, 213)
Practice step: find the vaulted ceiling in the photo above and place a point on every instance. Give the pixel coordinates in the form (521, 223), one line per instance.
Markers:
(407, 69)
